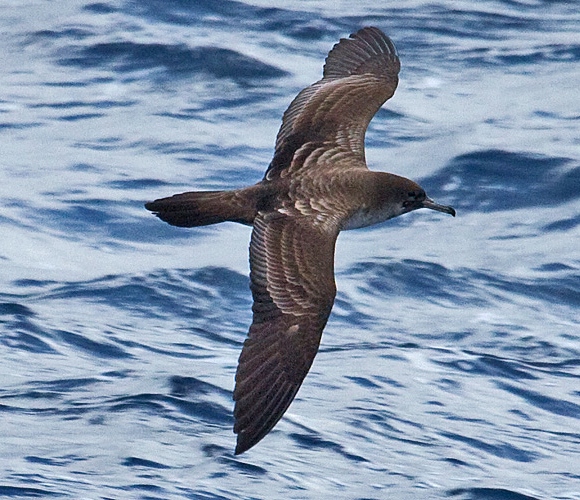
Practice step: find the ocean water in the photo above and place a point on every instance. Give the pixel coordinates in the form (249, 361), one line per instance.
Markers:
(450, 367)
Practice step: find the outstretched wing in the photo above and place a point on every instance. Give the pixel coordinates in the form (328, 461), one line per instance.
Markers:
(360, 74)
(292, 282)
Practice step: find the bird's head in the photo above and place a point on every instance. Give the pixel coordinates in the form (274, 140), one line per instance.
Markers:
(415, 198)
(397, 196)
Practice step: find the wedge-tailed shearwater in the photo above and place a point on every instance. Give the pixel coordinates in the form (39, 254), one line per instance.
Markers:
(317, 185)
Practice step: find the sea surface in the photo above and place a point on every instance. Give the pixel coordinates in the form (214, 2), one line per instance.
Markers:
(450, 366)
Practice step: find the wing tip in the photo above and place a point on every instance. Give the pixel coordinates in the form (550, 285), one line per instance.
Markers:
(355, 54)
(244, 443)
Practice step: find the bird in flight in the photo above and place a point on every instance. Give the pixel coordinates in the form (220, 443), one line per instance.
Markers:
(317, 185)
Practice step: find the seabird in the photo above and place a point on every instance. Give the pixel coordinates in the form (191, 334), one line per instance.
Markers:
(317, 185)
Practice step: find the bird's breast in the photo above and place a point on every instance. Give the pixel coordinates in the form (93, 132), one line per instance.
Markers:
(364, 217)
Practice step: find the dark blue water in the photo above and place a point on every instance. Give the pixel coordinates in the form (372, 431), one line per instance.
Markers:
(450, 367)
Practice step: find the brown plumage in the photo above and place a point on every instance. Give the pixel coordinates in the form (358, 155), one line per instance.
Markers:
(316, 185)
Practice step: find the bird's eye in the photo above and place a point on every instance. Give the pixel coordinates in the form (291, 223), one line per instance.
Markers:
(416, 195)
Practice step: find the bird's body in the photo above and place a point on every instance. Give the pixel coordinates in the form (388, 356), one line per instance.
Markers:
(317, 185)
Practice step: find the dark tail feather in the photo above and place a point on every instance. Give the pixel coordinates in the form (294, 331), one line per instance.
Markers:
(200, 208)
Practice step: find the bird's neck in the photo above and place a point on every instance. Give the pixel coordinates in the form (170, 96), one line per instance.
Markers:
(373, 199)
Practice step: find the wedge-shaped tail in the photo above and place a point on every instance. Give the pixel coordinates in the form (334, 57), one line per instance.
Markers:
(201, 208)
